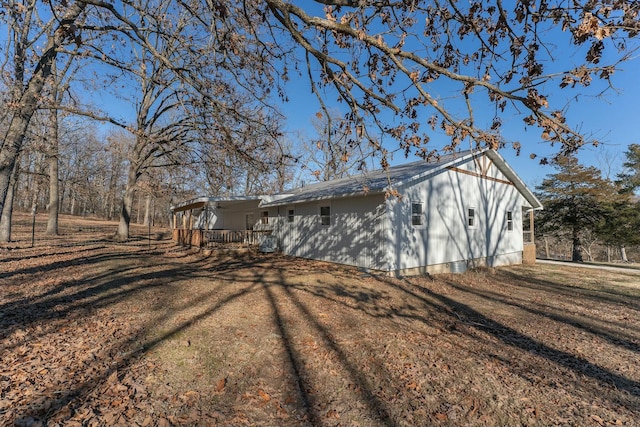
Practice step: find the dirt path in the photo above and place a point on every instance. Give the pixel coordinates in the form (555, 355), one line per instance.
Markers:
(627, 269)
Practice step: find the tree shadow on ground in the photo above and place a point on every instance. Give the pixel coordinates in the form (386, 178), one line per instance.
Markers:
(513, 338)
(147, 275)
(580, 321)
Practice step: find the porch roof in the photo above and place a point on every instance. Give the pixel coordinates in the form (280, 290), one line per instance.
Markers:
(201, 202)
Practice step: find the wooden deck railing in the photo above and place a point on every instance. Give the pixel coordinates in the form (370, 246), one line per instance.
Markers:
(212, 238)
(247, 237)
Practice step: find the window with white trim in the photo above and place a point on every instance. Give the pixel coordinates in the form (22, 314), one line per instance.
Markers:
(471, 218)
(509, 220)
(417, 213)
(325, 215)
(291, 215)
(265, 217)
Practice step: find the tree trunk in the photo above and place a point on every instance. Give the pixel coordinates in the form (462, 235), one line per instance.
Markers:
(53, 206)
(576, 254)
(7, 211)
(623, 254)
(546, 248)
(11, 148)
(608, 253)
(147, 210)
(125, 213)
(72, 209)
(27, 101)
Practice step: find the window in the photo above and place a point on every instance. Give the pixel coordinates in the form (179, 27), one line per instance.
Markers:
(416, 213)
(290, 215)
(509, 220)
(325, 215)
(265, 217)
(471, 217)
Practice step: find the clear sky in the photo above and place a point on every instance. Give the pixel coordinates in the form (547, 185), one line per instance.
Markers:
(613, 119)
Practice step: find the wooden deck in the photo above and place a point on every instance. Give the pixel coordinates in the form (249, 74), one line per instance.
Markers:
(214, 238)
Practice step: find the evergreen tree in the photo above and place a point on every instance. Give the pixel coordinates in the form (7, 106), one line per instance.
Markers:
(575, 200)
(629, 179)
(621, 226)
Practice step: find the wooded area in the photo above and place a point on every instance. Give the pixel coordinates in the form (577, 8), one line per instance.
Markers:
(190, 90)
(590, 217)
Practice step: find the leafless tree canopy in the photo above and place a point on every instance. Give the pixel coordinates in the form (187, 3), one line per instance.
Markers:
(392, 55)
(403, 68)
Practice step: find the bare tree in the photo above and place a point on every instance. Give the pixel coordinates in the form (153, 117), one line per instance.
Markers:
(7, 212)
(392, 56)
(26, 86)
(378, 57)
(337, 150)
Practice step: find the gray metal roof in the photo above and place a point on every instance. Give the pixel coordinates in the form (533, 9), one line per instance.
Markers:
(370, 182)
(379, 181)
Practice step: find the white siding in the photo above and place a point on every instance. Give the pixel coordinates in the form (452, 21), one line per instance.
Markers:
(354, 236)
(208, 220)
(445, 236)
(233, 216)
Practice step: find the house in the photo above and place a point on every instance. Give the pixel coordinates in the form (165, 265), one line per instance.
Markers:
(467, 209)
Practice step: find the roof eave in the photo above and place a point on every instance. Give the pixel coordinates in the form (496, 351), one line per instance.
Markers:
(438, 168)
(294, 200)
(517, 181)
(202, 201)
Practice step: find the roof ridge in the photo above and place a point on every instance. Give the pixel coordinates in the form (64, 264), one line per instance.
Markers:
(366, 174)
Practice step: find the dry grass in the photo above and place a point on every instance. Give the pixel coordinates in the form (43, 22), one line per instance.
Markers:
(101, 333)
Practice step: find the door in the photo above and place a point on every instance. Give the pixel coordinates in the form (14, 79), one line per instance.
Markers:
(289, 229)
(249, 221)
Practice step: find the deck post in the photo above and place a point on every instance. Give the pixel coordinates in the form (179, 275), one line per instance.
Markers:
(531, 226)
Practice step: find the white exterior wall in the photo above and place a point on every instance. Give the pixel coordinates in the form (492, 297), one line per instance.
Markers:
(444, 236)
(234, 217)
(355, 236)
(209, 219)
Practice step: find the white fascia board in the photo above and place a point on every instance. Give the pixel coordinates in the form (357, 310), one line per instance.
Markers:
(439, 168)
(517, 181)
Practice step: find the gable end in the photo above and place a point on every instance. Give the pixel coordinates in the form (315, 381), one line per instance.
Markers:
(479, 175)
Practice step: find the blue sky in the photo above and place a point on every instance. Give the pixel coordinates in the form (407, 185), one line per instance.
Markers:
(613, 119)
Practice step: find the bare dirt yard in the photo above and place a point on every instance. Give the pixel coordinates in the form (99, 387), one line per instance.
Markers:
(94, 332)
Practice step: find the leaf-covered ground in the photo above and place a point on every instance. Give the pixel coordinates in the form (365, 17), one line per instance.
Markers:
(95, 332)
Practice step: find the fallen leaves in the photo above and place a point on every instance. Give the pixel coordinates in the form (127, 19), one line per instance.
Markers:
(221, 385)
(335, 347)
(264, 396)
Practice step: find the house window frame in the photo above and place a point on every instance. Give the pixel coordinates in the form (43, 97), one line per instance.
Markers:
(509, 220)
(472, 217)
(291, 215)
(419, 215)
(324, 219)
(264, 217)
